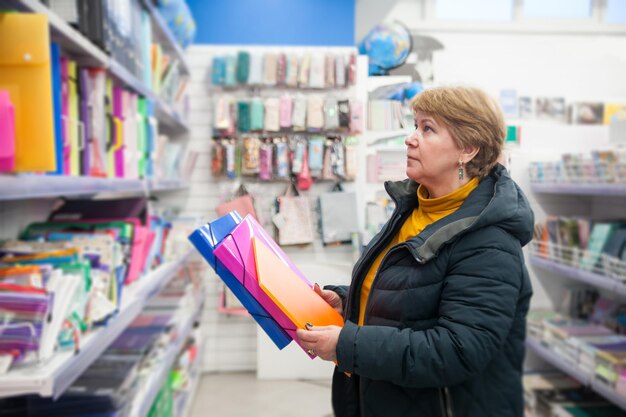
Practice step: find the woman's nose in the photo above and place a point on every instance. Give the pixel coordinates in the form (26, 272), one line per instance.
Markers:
(412, 139)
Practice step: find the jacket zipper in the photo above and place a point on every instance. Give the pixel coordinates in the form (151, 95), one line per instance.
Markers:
(445, 402)
(395, 218)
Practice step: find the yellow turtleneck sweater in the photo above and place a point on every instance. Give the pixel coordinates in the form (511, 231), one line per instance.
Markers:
(429, 211)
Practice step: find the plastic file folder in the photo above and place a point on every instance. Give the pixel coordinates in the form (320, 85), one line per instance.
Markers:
(74, 124)
(205, 239)
(65, 115)
(237, 255)
(25, 73)
(55, 58)
(7, 133)
(294, 297)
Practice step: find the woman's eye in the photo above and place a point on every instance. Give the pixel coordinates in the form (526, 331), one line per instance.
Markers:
(415, 126)
(427, 128)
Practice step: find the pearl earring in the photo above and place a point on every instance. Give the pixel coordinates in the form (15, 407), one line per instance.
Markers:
(461, 172)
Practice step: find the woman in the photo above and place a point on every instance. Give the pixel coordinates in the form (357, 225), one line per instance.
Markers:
(435, 314)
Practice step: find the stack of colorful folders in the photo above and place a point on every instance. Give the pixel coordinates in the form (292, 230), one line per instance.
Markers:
(266, 282)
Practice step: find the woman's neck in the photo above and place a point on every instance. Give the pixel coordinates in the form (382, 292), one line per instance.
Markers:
(439, 190)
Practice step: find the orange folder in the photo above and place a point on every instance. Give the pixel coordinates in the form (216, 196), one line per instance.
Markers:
(292, 295)
(25, 73)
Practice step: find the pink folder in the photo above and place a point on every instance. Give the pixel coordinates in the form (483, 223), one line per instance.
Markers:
(237, 254)
(119, 99)
(65, 115)
(7, 133)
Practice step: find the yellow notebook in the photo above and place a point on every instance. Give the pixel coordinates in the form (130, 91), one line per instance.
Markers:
(26, 74)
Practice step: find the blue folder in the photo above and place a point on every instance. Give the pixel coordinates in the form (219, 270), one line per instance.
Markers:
(55, 59)
(205, 239)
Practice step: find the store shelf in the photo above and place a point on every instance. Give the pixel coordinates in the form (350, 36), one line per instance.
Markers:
(24, 186)
(581, 275)
(568, 368)
(557, 361)
(86, 53)
(591, 189)
(158, 376)
(28, 186)
(167, 185)
(53, 377)
(165, 37)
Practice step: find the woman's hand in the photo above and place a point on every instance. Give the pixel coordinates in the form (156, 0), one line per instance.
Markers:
(331, 298)
(320, 341)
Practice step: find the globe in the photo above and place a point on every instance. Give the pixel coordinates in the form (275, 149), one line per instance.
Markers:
(387, 45)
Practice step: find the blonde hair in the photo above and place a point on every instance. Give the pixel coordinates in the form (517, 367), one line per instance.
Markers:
(472, 117)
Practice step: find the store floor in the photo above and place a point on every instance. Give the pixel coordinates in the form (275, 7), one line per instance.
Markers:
(243, 395)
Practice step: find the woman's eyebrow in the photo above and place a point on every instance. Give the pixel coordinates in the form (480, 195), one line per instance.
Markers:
(426, 120)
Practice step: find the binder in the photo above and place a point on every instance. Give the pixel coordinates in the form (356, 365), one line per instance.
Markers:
(85, 122)
(131, 146)
(25, 74)
(118, 119)
(55, 59)
(111, 129)
(142, 127)
(74, 118)
(7, 133)
(65, 114)
(96, 84)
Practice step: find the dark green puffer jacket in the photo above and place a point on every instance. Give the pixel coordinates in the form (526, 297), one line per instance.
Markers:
(445, 321)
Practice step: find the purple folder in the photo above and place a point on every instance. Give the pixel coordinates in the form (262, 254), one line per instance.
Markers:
(85, 118)
(237, 255)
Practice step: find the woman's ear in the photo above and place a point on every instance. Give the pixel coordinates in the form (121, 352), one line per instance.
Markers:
(469, 153)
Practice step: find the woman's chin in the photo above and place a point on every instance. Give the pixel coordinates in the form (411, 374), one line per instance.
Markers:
(411, 174)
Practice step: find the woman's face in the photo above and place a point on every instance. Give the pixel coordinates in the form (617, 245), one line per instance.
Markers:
(432, 156)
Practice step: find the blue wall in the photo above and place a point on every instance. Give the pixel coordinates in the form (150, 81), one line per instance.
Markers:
(274, 22)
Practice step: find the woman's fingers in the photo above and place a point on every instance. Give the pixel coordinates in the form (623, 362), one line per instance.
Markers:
(307, 336)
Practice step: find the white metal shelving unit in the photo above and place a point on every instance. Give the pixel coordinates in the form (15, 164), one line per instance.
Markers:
(587, 189)
(611, 284)
(29, 186)
(52, 378)
(570, 272)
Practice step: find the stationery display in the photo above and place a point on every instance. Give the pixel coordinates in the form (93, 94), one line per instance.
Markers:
(287, 113)
(116, 382)
(255, 268)
(67, 275)
(87, 124)
(277, 158)
(599, 247)
(599, 166)
(307, 70)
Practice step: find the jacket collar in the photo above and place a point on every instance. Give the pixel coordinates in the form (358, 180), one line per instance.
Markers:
(477, 210)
